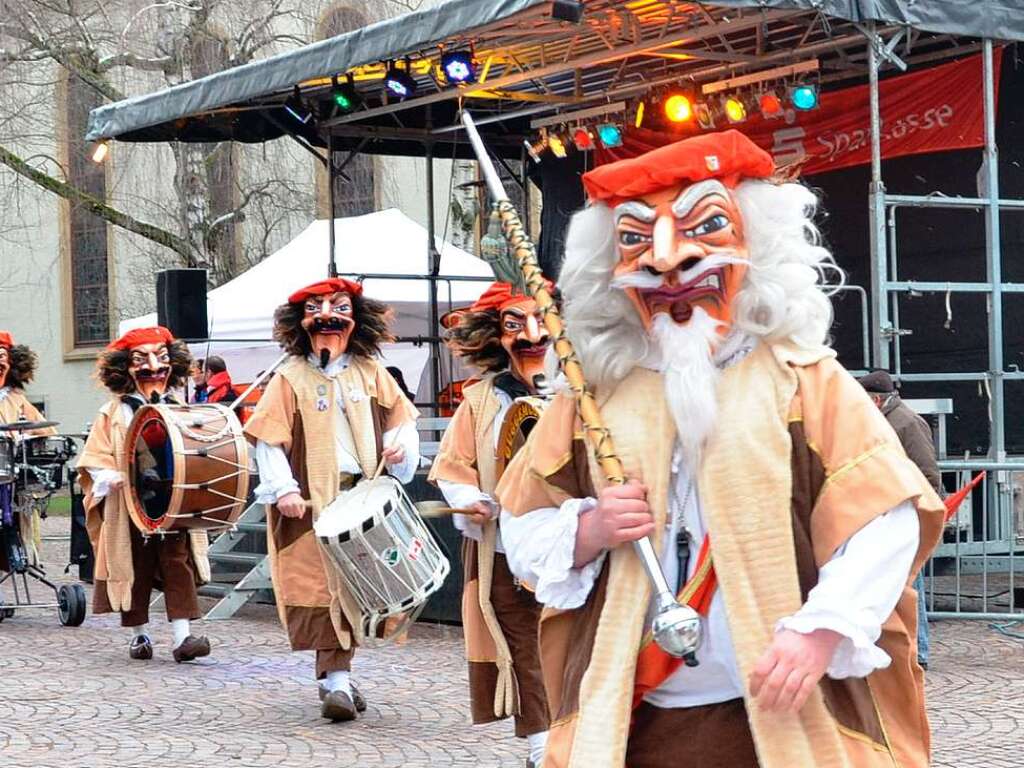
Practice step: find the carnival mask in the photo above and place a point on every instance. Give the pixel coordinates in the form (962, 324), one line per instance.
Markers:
(149, 365)
(679, 249)
(329, 321)
(525, 339)
(5, 364)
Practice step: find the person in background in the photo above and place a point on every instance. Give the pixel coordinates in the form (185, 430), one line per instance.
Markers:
(396, 374)
(198, 376)
(218, 381)
(916, 437)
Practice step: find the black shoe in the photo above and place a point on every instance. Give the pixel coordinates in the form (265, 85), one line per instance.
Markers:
(191, 648)
(922, 664)
(357, 697)
(338, 707)
(140, 648)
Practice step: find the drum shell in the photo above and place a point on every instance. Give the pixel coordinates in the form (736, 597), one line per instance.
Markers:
(210, 476)
(390, 562)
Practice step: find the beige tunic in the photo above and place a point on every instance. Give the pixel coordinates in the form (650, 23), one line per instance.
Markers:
(800, 461)
(107, 518)
(467, 456)
(312, 601)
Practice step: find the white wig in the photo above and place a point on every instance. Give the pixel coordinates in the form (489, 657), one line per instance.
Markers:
(785, 293)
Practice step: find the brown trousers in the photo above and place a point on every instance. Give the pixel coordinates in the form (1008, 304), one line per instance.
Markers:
(518, 614)
(712, 736)
(333, 660)
(162, 562)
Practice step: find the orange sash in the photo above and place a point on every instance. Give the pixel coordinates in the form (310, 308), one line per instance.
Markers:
(653, 665)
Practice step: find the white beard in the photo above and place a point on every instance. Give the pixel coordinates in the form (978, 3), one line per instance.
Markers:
(691, 378)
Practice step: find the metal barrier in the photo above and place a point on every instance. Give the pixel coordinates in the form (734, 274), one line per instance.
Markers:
(973, 573)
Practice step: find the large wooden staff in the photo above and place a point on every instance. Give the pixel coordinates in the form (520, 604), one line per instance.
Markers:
(676, 627)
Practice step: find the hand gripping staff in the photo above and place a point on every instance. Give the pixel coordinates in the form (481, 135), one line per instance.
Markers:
(676, 627)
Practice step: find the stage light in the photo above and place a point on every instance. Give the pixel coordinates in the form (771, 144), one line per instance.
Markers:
(735, 110)
(705, 115)
(678, 108)
(567, 10)
(534, 149)
(100, 151)
(344, 95)
(294, 107)
(583, 139)
(610, 135)
(640, 109)
(770, 104)
(399, 82)
(557, 146)
(458, 67)
(804, 97)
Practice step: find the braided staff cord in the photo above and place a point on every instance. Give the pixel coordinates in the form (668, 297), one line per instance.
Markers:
(593, 425)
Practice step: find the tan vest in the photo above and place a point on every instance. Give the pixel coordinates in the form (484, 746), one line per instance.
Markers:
(316, 404)
(485, 407)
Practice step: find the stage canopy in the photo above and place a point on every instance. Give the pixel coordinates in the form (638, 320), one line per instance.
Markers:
(534, 65)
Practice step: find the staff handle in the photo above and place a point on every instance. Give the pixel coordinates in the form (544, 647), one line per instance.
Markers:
(526, 254)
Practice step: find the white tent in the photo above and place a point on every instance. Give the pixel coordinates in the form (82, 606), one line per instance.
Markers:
(240, 312)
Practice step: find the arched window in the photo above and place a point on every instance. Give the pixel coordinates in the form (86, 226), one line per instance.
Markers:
(355, 192)
(83, 234)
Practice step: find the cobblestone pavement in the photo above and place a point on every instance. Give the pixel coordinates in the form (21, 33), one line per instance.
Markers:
(72, 699)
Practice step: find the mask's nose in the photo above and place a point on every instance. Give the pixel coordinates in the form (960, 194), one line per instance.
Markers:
(669, 251)
(534, 331)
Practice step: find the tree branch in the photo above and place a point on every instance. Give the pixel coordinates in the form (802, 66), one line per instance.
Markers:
(95, 206)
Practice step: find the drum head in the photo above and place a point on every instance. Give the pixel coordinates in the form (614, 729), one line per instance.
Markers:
(358, 508)
(150, 455)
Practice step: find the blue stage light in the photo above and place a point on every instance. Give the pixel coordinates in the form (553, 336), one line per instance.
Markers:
(458, 67)
(399, 83)
(804, 97)
(610, 135)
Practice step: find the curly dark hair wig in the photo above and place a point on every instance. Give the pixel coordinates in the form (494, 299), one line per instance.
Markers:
(23, 366)
(372, 320)
(112, 368)
(476, 338)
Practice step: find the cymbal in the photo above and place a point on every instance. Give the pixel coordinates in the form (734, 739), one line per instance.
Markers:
(26, 426)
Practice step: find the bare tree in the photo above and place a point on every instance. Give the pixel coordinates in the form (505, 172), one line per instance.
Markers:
(110, 50)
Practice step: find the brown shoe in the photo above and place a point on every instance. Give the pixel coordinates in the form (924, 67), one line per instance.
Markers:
(357, 697)
(338, 707)
(191, 648)
(140, 648)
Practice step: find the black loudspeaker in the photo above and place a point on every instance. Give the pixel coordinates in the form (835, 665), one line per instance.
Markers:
(181, 302)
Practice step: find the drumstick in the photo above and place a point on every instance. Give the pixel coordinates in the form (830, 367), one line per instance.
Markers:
(438, 509)
(383, 461)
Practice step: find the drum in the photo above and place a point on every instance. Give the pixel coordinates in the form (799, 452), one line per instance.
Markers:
(386, 555)
(7, 453)
(187, 467)
(44, 460)
(520, 419)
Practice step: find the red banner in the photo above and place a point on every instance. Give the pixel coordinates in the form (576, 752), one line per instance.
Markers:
(932, 110)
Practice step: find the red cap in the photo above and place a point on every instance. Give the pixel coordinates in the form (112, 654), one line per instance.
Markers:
(6, 340)
(139, 336)
(500, 296)
(326, 288)
(728, 156)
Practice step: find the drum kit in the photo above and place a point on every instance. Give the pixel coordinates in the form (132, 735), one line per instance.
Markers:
(32, 469)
